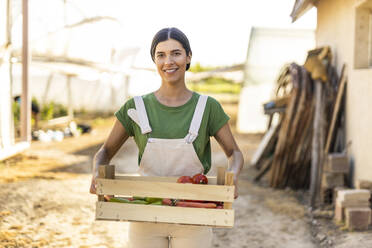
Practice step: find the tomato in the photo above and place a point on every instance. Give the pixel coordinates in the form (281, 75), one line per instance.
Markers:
(184, 179)
(200, 179)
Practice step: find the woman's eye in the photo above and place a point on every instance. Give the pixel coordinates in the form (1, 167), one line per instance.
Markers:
(159, 55)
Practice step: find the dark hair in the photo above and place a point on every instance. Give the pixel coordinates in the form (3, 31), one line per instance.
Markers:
(170, 33)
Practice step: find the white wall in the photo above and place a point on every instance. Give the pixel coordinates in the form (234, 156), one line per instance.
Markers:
(336, 27)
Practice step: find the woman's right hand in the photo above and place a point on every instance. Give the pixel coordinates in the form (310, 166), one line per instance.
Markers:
(116, 139)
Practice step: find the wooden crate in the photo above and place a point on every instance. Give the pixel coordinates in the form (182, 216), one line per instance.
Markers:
(219, 189)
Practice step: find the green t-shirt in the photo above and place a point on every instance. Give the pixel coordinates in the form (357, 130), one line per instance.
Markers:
(174, 123)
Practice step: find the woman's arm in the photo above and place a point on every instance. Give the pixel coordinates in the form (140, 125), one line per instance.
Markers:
(235, 157)
(116, 139)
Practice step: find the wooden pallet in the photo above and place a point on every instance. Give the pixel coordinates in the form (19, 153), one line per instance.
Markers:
(219, 189)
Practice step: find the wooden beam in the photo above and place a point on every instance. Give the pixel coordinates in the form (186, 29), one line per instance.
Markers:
(135, 177)
(220, 175)
(165, 190)
(105, 171)
(315, 162)
(229, 180)
(10, 151)
(25, 96)
(164, 214)
(336, 108)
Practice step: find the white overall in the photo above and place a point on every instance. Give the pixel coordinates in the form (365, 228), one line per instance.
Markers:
(169, 157)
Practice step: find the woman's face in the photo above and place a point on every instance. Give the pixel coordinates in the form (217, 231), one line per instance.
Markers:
(171, 60)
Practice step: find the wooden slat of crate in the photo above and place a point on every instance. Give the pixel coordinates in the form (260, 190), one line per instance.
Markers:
(132, 177)
(164, 214)
(165, 190)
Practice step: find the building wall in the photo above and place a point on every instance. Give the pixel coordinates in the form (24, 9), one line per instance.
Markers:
(337, 28)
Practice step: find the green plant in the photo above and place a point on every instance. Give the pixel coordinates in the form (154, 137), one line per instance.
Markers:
(216, 85)
(16, 113)
(52, 110)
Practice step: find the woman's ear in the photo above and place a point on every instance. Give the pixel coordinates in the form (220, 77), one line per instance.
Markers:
(188, 58)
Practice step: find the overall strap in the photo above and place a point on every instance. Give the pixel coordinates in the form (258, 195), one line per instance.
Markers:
(196, 119)
(142, 115)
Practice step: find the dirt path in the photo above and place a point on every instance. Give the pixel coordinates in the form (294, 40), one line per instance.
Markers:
(44, 201)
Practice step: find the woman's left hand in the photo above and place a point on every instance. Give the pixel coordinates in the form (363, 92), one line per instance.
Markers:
(236, 190)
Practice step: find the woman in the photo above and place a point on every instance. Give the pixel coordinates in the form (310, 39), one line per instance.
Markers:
(172, 128)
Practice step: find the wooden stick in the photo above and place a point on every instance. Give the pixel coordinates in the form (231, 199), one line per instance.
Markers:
(221, 175)
(336, 108)
(315, 144)
(264, 169)
(229, 180)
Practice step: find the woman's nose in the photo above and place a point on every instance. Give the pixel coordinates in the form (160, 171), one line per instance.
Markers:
(169, 60)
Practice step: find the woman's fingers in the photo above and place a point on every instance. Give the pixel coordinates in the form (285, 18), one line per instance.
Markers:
(92, 189)
(236, 192)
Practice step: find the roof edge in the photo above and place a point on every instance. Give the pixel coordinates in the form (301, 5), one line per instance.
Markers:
(301, 7)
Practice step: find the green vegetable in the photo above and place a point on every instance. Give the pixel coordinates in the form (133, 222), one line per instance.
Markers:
(157, 203)
(124, 200)
(119, 199)
(139, 198)
(139, 202)
(152, 199)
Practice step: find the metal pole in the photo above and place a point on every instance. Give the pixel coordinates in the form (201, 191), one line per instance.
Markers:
(25, 96)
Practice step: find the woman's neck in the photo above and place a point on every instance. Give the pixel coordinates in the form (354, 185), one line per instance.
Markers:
(173, 95)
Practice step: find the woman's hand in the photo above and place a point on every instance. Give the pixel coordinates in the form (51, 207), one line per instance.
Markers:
(235, 157)
(116, 139)
(93, 189)
(236, 194)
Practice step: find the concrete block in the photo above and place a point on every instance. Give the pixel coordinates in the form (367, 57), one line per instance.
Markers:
(339, 213)
(357, 218)
(364, 184)
(335, 193)
(332, 180)
(337, 162)
(353, 203)
(355, 195)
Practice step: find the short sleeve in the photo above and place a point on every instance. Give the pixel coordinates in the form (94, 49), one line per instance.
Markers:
(125, 120)
(217, 116)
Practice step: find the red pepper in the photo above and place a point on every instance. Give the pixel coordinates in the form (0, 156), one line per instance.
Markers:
(200, 179)
(184, 179)
(196, 204)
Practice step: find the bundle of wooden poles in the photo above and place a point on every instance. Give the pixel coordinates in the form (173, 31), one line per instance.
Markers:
(306, 100)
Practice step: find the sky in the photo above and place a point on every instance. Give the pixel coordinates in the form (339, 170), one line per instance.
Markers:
(218, 31)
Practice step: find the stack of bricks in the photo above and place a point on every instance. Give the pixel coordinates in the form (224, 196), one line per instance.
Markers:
(365, 184)
(352, 206)
(336, 166)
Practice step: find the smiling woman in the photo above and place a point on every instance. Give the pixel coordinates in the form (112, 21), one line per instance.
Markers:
(172, 128)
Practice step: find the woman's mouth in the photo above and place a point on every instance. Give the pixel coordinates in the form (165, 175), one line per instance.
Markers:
(170, 70)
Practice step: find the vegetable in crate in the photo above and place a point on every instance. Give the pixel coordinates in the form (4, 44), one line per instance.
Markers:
(200, 179)
(125, 200)
(184, 179)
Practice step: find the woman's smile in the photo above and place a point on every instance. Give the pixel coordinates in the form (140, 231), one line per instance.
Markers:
(171, 60)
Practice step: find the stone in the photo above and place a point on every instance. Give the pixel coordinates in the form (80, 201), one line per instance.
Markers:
(353, 195)
(364, 184)
(357, 218)
(337, 162)
(339, 213)
(332, 180)
(335, 193)
(353, 203)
